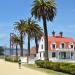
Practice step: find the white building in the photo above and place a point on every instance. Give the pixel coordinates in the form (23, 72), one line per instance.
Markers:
(60, 48)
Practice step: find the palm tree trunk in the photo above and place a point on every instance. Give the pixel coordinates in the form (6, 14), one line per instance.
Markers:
(36, 42)
(45, 38)
(16, 52)
(21, 43)
(28, 45)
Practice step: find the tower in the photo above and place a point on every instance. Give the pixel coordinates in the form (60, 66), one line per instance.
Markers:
(11, 43)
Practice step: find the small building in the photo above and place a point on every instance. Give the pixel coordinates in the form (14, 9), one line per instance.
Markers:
(60, 48)
(33, 51)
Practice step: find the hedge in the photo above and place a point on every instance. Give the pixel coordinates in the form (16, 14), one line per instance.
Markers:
(11, 59)
(57, 66)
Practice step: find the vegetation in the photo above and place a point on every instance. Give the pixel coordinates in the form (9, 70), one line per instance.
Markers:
(11, 59)
(45, 10)
(41, 9)
(16, 42)
(57, 66)
(33, 30)
(20, 27)
(50, 72)
(1, 50)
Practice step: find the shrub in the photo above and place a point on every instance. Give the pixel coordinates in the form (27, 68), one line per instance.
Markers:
(72, 69)
(57, 66)
(11, 59)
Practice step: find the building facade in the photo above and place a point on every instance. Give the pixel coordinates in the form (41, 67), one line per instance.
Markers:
(60, 48)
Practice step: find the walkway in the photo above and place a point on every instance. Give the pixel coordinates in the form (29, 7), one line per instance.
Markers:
(7, 68)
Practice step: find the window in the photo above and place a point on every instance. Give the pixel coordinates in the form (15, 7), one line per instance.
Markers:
(71, 54)
(40, 54)
(53, 54)
(53, 46)
(44, 54)
(41, 46)
(71, 46)
(62, 45)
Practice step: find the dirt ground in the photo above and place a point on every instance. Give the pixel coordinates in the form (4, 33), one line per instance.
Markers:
(7, 68)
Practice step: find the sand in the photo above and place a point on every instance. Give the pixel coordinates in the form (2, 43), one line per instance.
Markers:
(8, 68)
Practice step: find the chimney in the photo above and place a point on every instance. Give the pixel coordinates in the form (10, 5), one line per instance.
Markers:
(61, 34)
(53, 33)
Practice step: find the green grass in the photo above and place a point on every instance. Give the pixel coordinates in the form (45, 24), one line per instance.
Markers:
(50, 72)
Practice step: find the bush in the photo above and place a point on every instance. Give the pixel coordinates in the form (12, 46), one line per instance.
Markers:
(11, 59)
(72, 69)
(57, 66)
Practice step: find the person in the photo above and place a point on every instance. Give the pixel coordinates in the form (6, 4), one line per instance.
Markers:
(19, 62)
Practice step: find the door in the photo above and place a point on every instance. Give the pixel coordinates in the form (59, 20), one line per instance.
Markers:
(62, 55)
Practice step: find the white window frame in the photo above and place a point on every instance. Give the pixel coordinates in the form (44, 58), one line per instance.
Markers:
(70, 45)
(55, 55)
(52, 45)
(61, 45)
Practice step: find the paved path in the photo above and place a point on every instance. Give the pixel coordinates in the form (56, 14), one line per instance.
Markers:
(7, 68)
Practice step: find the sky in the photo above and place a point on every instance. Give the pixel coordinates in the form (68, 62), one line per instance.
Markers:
(14, 10)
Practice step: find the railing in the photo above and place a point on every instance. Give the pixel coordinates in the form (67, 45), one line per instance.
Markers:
(64, 49)
(63, 60)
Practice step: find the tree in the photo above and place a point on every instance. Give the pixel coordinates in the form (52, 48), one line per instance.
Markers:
(1, 50)
(33, 31)
(37, 35)
(16, 42)
(29, 33)
(45, 10)
(20, 26)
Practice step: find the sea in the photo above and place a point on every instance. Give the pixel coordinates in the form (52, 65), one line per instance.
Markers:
(13, 52)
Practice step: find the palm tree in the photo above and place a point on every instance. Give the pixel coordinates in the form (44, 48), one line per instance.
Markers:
(38, 35)
(16, 42)
(45, 10)
(33, 31)
(20, 26)
(29, 33)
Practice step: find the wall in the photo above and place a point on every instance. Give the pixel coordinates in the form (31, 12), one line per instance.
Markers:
(41, 43)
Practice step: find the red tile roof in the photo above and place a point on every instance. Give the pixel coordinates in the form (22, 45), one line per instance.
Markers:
(58, 40)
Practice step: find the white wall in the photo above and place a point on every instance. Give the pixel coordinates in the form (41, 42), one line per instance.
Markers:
(23, 59)
(42, 56)
(41, 43)
(40, 50)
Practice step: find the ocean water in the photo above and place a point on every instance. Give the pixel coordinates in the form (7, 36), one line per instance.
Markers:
(7, 52)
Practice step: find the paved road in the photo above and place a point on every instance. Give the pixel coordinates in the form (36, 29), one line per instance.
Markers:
(7, 68)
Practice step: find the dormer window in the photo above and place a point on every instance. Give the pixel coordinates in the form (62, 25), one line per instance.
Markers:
(62, 45)
(71, 45)
(53, 45)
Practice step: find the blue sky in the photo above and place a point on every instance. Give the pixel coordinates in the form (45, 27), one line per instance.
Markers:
(14, 10)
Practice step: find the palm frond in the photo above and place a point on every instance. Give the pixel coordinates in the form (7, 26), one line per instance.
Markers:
(44, 8)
